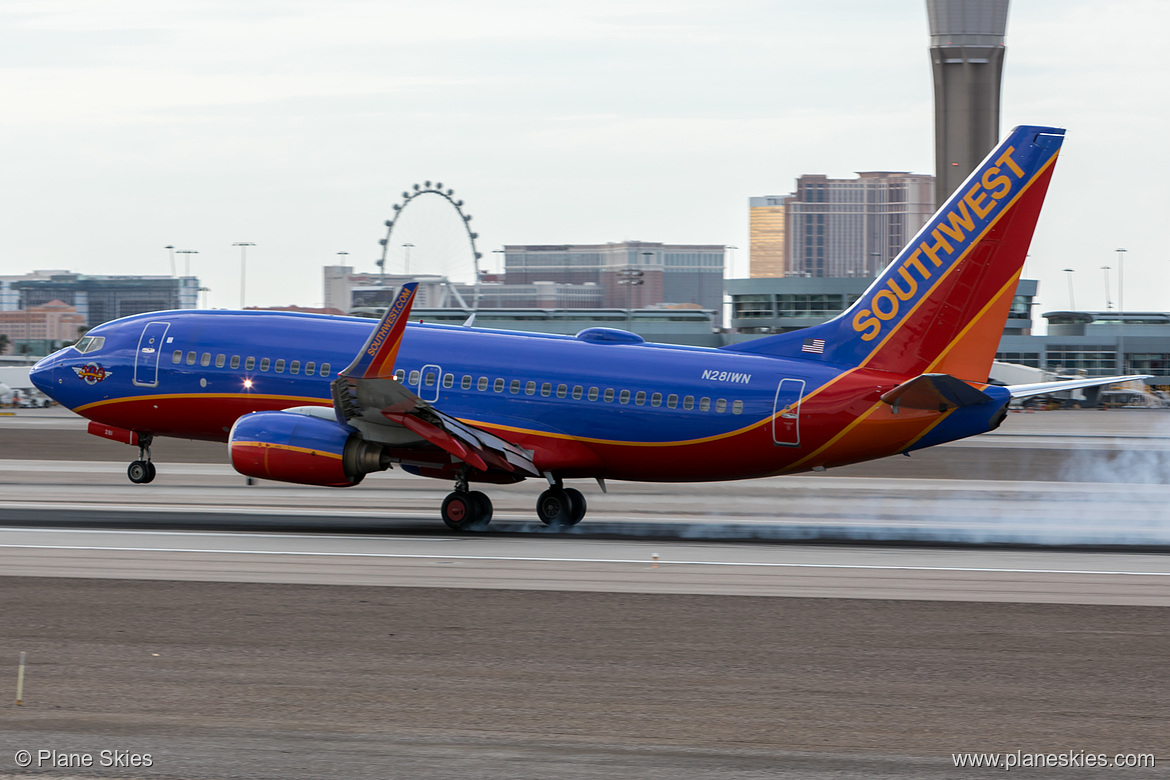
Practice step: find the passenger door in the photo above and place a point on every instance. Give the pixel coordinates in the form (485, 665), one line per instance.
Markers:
(150, 348)
(786, 413)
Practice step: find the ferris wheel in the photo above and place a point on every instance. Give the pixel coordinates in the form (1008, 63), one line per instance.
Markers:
(430, 234)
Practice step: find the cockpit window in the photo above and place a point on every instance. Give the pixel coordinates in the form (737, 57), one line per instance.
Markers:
(89, 344)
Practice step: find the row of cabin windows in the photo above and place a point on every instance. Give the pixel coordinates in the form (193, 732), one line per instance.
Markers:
(294, 366)
(578, 391)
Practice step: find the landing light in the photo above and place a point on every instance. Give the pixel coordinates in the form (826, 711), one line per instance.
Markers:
(247, 384)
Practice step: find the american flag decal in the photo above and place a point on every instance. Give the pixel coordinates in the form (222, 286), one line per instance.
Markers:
(816, 346)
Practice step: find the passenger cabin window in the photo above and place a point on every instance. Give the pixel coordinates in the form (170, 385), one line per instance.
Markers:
(672, 401)
(624, 397)
(656, 399)
(483, 383)
(499, 385)
(721, 406)
(250, 363)
(190, 358)
(294, 367)
(704, 404)
(593, 393)
(530, 388)
(430, 378)
(448, 380)
(515, 386)
(413, 377)
(206, 359)
(400, 375)
(265, 364)
(689, 402)
(235, 361)
(310, 368)
(737, 407)
(280, 365)
(325, 367)
(220, 359)
(640, 398)
(609, 395)
(562, 391)
(466, 382)
(546, 389)
(177, 358)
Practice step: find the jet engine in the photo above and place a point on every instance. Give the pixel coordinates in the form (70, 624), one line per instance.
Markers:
(308, 450)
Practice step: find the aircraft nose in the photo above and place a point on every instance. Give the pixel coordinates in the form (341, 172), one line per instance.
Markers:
(42, 375)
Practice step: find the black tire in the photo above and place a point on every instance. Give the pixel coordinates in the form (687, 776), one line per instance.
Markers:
(485, 507)
(460, 511)
(554, 507)
(139, 472)
(578, 506)
(152, 472)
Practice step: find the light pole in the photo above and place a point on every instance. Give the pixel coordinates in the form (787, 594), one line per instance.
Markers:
(1121, 308)
(631, 277)
(406, 264)
(1108, 303)
(243, 245)
(187, 259)
(730, 271)
(1072, 301)
(171, 249)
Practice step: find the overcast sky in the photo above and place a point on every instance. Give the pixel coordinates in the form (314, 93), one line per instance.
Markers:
(128, 125)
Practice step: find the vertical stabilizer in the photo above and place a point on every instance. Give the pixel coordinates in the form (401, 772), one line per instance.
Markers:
(941, 304)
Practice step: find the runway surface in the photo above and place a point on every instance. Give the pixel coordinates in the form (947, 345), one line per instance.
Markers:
(276, 631)
(293, 681)
(1057, 478)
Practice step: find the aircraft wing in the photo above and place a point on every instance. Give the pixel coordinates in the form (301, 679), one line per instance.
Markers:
(367, 396)
(1040, 388)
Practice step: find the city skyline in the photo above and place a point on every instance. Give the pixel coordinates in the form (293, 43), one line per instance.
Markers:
(135, 127)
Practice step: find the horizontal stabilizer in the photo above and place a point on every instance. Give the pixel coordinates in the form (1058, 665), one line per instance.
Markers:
(936, 392)
(1040, 388)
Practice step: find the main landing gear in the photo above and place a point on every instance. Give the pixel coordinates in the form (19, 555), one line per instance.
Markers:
(142, 470)
(468, 510)
(561, 506)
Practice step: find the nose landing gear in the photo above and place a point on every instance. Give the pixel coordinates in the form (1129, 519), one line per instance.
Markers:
(142, 470)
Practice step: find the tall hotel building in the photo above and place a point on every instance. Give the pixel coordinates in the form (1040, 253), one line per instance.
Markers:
(767, 253)
(838, 227)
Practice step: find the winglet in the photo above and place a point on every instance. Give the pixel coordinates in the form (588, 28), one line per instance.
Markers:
(376, 360)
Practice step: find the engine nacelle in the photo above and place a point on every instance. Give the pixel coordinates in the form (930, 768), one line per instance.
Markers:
(299, 448)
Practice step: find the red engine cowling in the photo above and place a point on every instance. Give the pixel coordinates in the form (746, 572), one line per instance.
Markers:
(299, 448)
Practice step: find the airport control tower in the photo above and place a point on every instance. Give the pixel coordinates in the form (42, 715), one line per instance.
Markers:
(966, 54)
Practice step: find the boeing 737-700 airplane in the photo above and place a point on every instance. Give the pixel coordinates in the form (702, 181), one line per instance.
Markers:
(326, 400)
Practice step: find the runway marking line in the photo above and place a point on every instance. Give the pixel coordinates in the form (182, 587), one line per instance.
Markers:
(534, 559)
